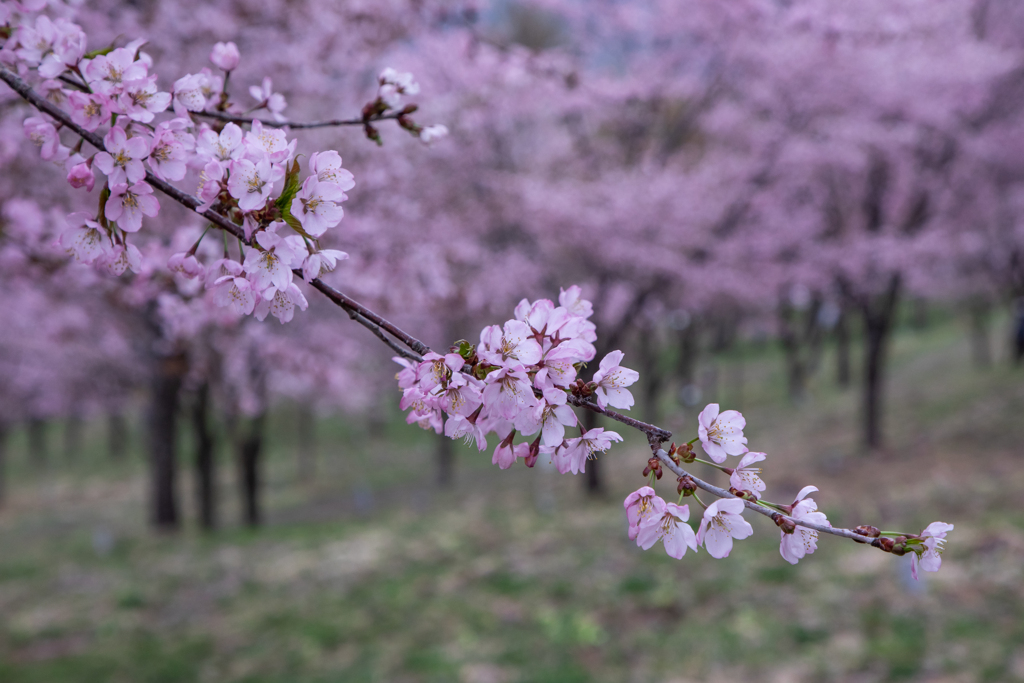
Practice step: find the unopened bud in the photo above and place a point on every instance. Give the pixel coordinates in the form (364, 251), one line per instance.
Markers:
(899, 550)
(886, 544)
(409, 109)
(653, 465)
(686, 486)
(869, 531)
(685, 453)
(589, 388)
(787, 525)
(742, 493)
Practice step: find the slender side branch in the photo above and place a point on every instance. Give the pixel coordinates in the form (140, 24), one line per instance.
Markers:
(760, 509)
(654, 433)
(294, 125)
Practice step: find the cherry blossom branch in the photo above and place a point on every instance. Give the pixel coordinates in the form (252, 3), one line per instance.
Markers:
(296, 125)
(356, 311)
(653, 432)
(761, 509)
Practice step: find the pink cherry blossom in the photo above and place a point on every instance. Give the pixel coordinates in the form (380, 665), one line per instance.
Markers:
(235, 293)
(324, 261)
(141, 101)
(612, 380)
(721, 434)
(84, 239)
(671, 529)
(509, 391)
(505, 455)
(167, 155)
(121, 258)
(225, 56)
(723, 522)
(266, 142)
(513, 345)
(274, 102)
(431, 134)
(122, 162)
(572, 299)
(802, 541)
(745, 477)
(188, 93)
(81, 175)
(225, 146)
(934, 537)
(549, 416)
(641, 506)
(251, 184)
(583, 448)
(89, 111)
(464, 427)
(326, 166)
(44, 134)
(108, 73)
(128, 204)
(282, 305)
(394, 84)
(185, 264)
(317, 206)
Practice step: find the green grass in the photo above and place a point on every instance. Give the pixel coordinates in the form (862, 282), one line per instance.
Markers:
(369, 573)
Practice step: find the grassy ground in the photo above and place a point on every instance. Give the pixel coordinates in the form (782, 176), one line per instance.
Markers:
(368, 573)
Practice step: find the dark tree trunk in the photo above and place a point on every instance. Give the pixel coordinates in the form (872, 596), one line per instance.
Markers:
(37, 451)
(250, 449)
(205, 470)
(654, 380)
(593, 483)
(445, 455)
(800, 335)
(843, 350)
(686, 363)
(73, 437)
(306, 424)
(163, 409)
(1018, 332)
(981, 352)
(117, 435)
(878, 318)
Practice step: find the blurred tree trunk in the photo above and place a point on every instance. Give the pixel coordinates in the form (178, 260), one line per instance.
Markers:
(250, 449)
(307, 443)
(686, 362)
(878, 313)
(117, 435)
(445, 455)
(1018, 331)
(843, 349)
(649, 352)
(800, 335)
(205, 469)
(981, 351)
(73, 436)
(37, 451)
(163, 409)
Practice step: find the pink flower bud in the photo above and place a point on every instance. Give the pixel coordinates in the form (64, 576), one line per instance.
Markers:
(225, 56)
(82, 176)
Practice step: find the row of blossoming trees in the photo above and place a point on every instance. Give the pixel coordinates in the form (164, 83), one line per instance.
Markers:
(758, 161)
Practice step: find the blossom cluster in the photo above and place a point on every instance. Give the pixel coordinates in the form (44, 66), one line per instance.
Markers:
(720, 433)
(517, 382)
(250, 176)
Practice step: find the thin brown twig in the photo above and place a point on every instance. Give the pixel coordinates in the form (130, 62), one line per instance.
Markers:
(295, 125)
(761, 509)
